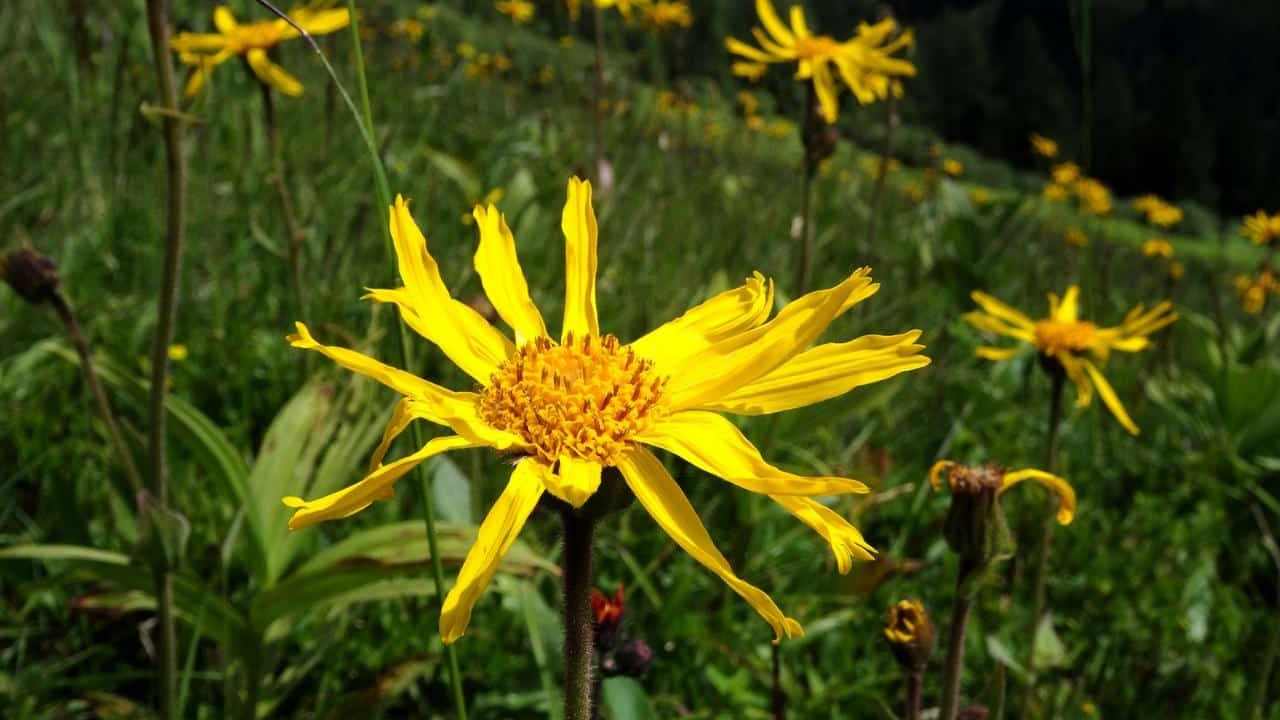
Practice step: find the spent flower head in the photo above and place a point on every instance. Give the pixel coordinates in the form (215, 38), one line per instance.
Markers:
(910, 634)
(568, 406)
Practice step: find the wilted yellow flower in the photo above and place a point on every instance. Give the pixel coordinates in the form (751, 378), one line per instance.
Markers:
(566, 409)
(178, 352)
(520, 11)
(910, 633)
(1262, 230)
(667, 14)
(205, 51)
(1075, 237)
(865, 63)
(959, 477)
(1043, 146)
(1157, 247)
(410, 29)
(1072, 343)
(1065, 173)
(953, 167)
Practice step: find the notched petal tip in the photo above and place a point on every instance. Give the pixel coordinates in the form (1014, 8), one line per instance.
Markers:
(301, 338)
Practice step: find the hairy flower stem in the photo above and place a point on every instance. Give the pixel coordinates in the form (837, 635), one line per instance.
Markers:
(1039, 586)
(158, 25)
(598, 89)
(915, 683)
(954, 667)
(579, 640)
(68, 318)
(294, 248)
(882, 172)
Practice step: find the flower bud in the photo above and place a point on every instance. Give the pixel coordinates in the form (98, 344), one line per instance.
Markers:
(975, 527)
(32, 275)
(910, 634)
(607, 614)
(632, 659)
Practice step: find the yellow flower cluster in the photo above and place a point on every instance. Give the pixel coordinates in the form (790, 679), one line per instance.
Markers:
(1067, 180)
(1157, 211)
(1261, 229)
(1254, 291)
(953, 167)
(667, 14)
(1157, 247)
(520, 11)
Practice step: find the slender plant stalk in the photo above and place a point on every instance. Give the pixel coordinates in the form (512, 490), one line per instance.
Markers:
(777, 698)
(276, 149)
(1002, 691)
(954, 667)
(68, 318)
(1039, 587)
(176, 181)
(915, 684)
(598, 100)
(579, 631)
(882, 173)
(804, 263)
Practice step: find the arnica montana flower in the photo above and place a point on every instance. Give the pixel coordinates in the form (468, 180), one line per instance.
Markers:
(865, 63)
(569, 408)
(1261, 229)
(1070, 344)
(205, 51)
(1043, 146)
(520, 11)
(964, 478)
(1157, 211)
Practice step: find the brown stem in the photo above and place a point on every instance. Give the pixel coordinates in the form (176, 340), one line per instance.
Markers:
(579, 630)
(176, 185)
(954, 668)
(777, 698)
(915, 684)
(286, 200)
(68, 317)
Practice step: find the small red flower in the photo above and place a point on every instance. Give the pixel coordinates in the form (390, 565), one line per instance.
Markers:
(607, 610)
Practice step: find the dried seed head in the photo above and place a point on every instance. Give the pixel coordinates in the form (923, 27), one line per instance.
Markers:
(32, 275)
(910, 634)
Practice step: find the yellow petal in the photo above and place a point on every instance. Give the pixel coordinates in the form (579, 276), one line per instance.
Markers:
(737, 47)
(798, 25)
(503, 280)
(825, 88)
(1109, 397)
(579, 225)
(576, 481)
(1066, 494)
(224, 20)
(667, 504)
(272, 74)
(997, 353)
(935, 472)
(207, 43)
(824, 372)
(493, 539)
(712, 443)
(321, 22)
(998, 309)
(377, 485)
(1068, 308)
(847, 543)
(460, 332)
(1075, 373)
(432, 402)
(992, 324)
(681, 340)
(769, 18)
(736, 361)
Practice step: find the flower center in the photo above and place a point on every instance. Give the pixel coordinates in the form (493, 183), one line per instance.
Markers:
(1053, 337)
(256, 36)
(816, 47)
(586, 398)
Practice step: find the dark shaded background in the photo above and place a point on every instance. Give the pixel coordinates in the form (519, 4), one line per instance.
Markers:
(1186, 93)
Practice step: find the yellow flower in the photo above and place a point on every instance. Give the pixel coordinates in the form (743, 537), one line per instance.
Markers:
(1262, 230)
(755, 123)
(749, 102)
(178, 352)
(1065, 173)
(1094, 197)
(466, 50)
(205, 51)
(667, 14)
(566, 409)
(980, 196)
(1157, 247)
(1253, 292)
(624, 7)
(546, 74)
(520, 11)
(958, 475)
(1072, 343)
(865, 63)
(1054, 191)
(567, 41)
(1043, 146)
(1158, 212)
(1177, 270)
(749, 70)
(410, 29)
(1075, 237)
(953, 167)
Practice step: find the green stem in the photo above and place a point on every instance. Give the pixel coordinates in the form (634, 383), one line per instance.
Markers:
(579, 629)
(176, 181)
(954, 667)
(886, 156)
(599, 92)
(1257, 700)
(1040, 583)
(294, 234)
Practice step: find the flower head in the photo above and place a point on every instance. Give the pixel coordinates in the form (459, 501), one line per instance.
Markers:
(34, 277)
(1043, 146)
(1157, 211)
(411, 29)
(864, 63)
(1094, 197)
(205, 51)
(953, 167)
(1157, 247)
(1261, 229)
(568, 406)
(520, 11)
(1255, 291)
(974, 479)
(667, 14)
(1075, 237)
(1065, 173)
(910, 633)
(1069, 344)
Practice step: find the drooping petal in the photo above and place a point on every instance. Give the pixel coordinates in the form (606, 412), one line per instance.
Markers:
(769, 18)
(712, 443)
(737, 47)
(439, 405)
(494, 538)
(827, 91)
(321, 22)
(1007, 313)
(503, 280)
(206, 43)
(377, 485)
(728, 313)
(997, 353)
(580, 235)
(576, 481)
(935, 472)
(1109, 397)
(1060, 487)
(460, 332)
(1075, 373)
(224, 20)
(667, 504)
(736, 361)
(824, 372)
(272, 74)
(992, 324)
(847, 543)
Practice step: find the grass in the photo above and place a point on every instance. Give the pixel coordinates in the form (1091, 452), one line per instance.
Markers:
(1162, 591)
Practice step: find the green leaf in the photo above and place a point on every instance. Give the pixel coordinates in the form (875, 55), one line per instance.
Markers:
(1003, 655)
(1047, 648)
(458, 171)
(626, 699)
(451, 491)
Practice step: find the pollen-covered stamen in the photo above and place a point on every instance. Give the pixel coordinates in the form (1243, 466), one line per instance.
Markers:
(1053, 337)
(586, 398)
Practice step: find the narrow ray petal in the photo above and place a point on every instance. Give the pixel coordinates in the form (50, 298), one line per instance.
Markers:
(1060, 487)
(224, 20)
(1109, 397)
(728, 313)
(503, 280)
(999, 309)
(272, 74)
(580, 235)
(769, 18)
(847, 543)
(576, 480)
(997, 353)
